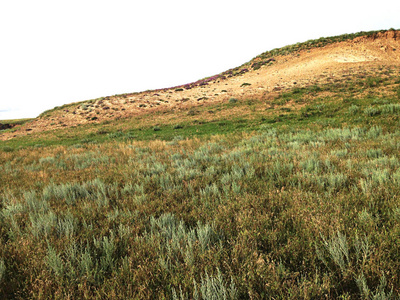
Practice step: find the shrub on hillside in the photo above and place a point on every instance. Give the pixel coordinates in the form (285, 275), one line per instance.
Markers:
(233, 100)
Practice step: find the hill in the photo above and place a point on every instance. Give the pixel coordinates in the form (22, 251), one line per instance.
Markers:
(336, 59)
(279, 179)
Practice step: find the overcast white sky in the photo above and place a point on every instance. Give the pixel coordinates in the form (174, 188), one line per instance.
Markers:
(54, 52)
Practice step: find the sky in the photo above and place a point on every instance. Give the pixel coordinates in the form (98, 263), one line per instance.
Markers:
(54, 52)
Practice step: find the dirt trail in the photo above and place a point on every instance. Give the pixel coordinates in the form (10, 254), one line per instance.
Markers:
(334, 62)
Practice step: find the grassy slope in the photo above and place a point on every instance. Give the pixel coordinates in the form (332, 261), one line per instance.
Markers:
(298, 199)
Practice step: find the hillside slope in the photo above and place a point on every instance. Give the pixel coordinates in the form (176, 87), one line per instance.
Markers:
(262, 79)
(289, 191)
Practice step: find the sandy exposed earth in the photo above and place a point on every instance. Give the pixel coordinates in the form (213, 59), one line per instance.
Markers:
(334, 62)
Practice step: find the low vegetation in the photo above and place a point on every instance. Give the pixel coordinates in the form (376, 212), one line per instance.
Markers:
(291, 198)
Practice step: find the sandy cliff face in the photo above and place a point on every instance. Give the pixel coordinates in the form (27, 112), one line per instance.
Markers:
(363, 55)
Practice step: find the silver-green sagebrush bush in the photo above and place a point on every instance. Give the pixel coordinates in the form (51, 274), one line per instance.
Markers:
(351, 260)
(210, 288)
(214, 287)
(177, 243)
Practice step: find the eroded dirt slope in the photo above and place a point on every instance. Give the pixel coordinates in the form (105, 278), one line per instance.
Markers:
(335, 62)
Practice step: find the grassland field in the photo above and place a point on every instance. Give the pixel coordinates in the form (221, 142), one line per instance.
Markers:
(294, 198)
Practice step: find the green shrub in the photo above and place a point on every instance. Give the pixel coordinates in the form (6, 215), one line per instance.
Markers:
(379, 293)
(178, 126)
(66, 226)
(192, 112)
(337, 249)
(233, 100)
(372, 111)
(373, 81)
(390, 108)
(340, 153)
(54, 262)
(47, 160)
(7, 149)
(354, 109)
(374, 153)
(374, 132)
(215, 287)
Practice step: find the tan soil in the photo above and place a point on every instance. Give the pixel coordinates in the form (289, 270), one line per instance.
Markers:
(334, 62)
